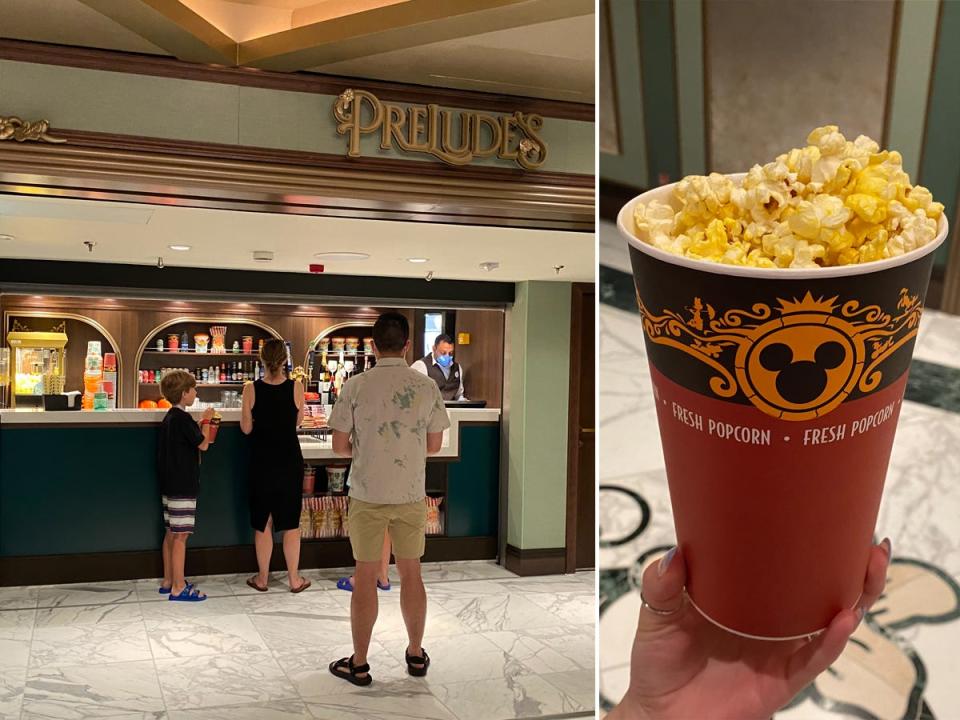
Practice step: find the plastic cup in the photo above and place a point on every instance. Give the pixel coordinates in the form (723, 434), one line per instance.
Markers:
(778, 393)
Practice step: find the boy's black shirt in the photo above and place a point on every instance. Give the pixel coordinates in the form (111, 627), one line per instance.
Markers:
(178, 459)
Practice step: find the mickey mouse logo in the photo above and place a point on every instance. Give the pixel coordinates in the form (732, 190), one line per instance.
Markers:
(798, 366)
(801, 369)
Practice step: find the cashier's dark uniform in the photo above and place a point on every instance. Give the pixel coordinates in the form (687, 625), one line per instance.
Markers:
(449, 380)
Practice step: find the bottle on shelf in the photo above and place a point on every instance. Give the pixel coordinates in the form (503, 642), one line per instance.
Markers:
(184, 342)
(223, 373)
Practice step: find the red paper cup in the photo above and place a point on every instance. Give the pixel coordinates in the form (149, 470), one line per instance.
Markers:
(778, 393)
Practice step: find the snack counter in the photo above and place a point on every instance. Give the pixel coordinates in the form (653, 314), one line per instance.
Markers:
(79, 499)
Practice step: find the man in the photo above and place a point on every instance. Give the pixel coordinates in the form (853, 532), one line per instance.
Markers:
(388, 419)
(440, 367)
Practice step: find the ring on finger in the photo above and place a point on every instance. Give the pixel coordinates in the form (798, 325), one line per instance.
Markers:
(659, 611)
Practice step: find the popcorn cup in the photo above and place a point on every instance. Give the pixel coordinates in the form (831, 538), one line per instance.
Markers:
(215, 426)
(778, 393)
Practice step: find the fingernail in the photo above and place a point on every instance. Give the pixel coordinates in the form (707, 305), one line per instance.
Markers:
(665, 561)
(887, 547)
(860, 613)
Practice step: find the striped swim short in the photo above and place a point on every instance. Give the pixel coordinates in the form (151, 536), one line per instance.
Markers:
(179, 513)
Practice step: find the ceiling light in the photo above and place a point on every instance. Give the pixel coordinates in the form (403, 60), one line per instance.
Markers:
(181, 248)
(489, 265)
(342, 256)
(263, 255)
(418, 260)
(6, 237)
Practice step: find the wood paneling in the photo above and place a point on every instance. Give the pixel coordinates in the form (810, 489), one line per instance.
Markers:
(131, 321)
(581, 432)
(482, 359)
(188, 174)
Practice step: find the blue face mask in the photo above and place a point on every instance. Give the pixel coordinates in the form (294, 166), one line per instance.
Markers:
(445, 361)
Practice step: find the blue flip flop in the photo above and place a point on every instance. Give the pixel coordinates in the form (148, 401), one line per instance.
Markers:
(345, 584)
(189, 594)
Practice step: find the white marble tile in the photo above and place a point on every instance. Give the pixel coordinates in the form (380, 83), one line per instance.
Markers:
(219, 680)
(172, 609)
(94, 644)
(549, 584)
(560, 648)
(87, 594)
(522, 696)
(207, 635)
(506, 611)
(440, 621)
(579, 684)
(12, 681)
(289, 633)
(939, 339)
(14, 649)
(149, 590)
(62, 616)
(118, 689)
(323, 604)
(459, 658)
(278, 710)
(309, 671)
(58, 711)
(381, 706)
(18, 598)
(574, 608)
(613, 247)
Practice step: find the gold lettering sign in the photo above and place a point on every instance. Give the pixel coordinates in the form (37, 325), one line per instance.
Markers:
(453, 137)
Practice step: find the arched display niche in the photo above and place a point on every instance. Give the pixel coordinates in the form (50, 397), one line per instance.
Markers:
(191, 359)
(72, 362)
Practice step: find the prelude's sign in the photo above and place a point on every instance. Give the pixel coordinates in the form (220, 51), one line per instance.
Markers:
(453, 137)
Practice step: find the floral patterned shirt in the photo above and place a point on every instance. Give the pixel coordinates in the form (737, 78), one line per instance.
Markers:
(388, 412)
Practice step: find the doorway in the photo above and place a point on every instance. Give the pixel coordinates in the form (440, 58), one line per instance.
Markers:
(581, 438)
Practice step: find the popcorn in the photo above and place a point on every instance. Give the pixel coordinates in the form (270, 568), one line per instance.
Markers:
(833, 202)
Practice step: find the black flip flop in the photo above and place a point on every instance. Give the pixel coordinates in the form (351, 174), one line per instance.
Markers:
(414, 660)
(346, 664)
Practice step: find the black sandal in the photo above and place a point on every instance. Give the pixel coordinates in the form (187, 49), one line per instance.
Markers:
(413, 661)
(337, 667)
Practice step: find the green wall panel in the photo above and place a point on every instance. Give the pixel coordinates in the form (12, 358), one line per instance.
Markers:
(539, 396)
(940, 169)
(473, 484)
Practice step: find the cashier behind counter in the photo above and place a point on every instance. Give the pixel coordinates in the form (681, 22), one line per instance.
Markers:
(441, 368)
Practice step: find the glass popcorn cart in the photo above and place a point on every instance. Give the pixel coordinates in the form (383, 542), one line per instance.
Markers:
(38, 366)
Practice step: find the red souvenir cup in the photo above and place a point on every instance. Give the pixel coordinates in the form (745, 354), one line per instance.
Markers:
(778, 393)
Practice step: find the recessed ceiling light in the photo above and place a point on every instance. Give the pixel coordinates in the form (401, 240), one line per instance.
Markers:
(489, 265)
(342, 256)
(6, 237)
(263, 255)
(182, 248)
(418, 260)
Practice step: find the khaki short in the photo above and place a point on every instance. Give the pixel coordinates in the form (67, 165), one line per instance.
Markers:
(406, 524)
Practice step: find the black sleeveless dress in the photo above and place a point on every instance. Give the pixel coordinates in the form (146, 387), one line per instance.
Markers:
(276, 467)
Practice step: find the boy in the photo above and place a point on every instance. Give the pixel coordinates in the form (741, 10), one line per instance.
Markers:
(178, 468)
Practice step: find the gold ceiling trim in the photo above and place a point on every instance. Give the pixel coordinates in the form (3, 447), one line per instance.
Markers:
(171, 25)
(398, 26)
(13, 128)
(332, 31)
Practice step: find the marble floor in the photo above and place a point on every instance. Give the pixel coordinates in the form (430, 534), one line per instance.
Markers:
(501, 647)
(903, 660)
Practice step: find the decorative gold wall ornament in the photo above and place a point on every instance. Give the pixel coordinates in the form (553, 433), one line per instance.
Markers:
(13, 128)
(428, 129)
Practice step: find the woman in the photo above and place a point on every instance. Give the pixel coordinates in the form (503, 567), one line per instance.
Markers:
(272, 412)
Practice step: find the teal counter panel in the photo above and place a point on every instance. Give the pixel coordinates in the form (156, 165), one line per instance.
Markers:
(76, 490)
(86, 489)
(473, 487)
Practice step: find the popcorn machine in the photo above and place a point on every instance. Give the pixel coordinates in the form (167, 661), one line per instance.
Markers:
(38, 365)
